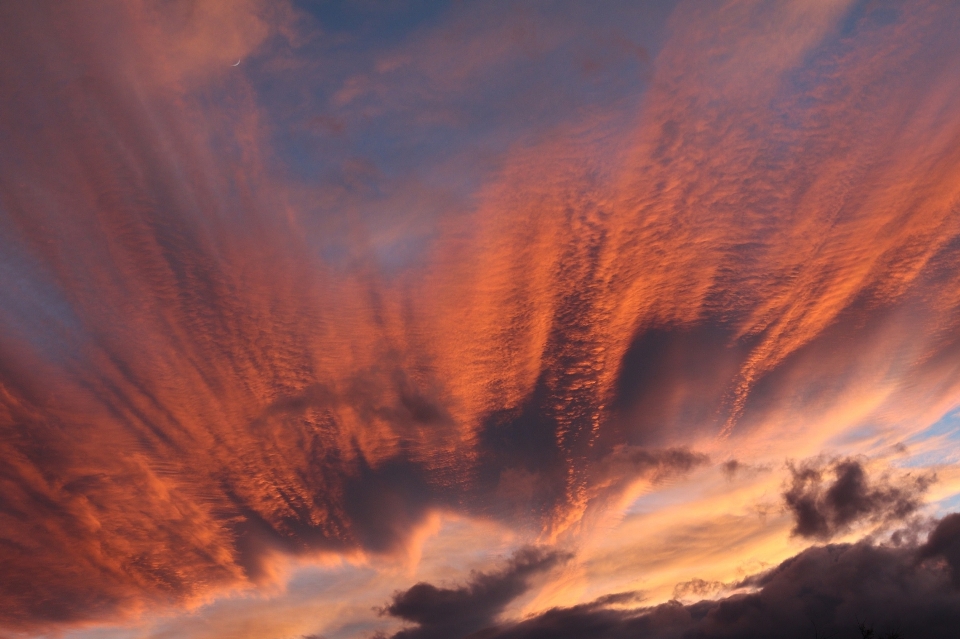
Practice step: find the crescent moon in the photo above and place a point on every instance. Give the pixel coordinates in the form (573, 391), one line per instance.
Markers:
(238, 62)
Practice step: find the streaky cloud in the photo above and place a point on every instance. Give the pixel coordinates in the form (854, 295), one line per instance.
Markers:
(530, 274)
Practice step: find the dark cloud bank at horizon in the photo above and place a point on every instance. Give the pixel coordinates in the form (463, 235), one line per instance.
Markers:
(838, 590)
(903, 587)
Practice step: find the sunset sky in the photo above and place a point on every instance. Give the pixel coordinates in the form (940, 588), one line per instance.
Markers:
(408, 319)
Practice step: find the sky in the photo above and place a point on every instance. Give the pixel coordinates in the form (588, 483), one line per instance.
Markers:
(405, 319)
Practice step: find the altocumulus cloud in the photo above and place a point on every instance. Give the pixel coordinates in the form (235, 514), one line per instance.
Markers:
(193, 381)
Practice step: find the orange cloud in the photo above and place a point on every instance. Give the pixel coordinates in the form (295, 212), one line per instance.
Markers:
(189, 387)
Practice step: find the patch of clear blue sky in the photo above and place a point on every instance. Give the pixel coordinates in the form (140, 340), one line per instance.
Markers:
(561, 61)
(394, 114)
(947, 431)
(32, 303)
(946, 506)
(384, 19)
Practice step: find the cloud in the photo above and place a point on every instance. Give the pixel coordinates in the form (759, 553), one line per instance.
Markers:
(697, 588)
(457, 612)
(195, 378)
(823, 591)
(188, 389)
(944, 542)
(823, 509)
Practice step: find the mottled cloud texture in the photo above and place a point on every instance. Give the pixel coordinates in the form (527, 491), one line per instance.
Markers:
(286, 281)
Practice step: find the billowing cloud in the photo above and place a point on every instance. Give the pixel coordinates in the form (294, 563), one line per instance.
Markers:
(509, 262)
(822, 511)
(944, 542)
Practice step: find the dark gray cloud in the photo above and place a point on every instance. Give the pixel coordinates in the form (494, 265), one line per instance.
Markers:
(829, 498)
(944, 542)
(730, 468)
(448, 613)
(825, 591)
(663, 390)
